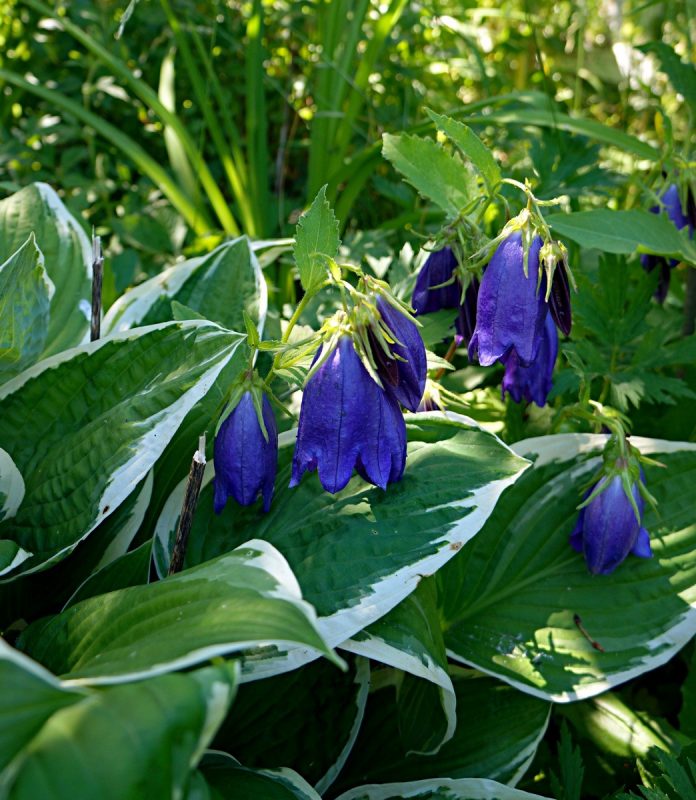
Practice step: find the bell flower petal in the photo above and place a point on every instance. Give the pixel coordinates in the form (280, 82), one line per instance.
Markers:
(438, 269)
(534, 382)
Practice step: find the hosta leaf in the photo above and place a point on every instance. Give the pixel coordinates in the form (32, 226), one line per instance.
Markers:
(307, 719)
(246, 598)
(358, 553)
(25, 294)
(124, 743)
(67, 258)
(497, 734)
(439, 789)
(316, 241)
(512, 600)
(100, 416)
(220, 286)
(226, 780)
(11, 486)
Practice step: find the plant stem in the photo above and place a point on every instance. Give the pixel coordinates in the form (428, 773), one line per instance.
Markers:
(188, 508)
(97, 279)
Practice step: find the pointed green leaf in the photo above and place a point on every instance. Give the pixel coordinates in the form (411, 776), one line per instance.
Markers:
(439, 789)
(11, 486)
(227, 780)
(316, 241)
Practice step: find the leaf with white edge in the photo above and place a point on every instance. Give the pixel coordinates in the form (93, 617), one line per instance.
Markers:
(247, 598)
(126, 742)
(509, 601)
(497, 734)
(316, 241)
(221, 286)
(67, 258)
(619, 231)
(227, 781)
(100, 415)
(11, 486)
(436, 174)
(410, 638)
(30, 695)
(358, 553)
(25, 295)
(470, 145)
(439, 789)
(312, 730)
(682, 74)
(12, 556)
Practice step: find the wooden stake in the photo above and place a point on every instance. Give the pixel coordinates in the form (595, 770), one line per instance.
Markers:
(188, 507)
(97, 280)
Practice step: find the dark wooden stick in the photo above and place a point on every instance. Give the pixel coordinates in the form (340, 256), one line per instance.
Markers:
(188, 507)
(97, 280)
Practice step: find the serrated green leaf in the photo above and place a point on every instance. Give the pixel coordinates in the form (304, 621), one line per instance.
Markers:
(437, 175)
(471, 146)
(25, 295)
(67, 258)
(316, 241)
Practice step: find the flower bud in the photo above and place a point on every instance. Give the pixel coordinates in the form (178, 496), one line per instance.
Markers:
(429, 295)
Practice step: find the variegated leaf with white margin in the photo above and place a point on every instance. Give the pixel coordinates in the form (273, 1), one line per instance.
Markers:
(440, 789)
(100, 415)
(25, 295)
(360, 552)
(224, 778)
(138, 740)
(11, 486)
(307, 719)
(498, 731)
(221, 286)
(248, 598)
(409, 638)
(511, 599)
(67, 259)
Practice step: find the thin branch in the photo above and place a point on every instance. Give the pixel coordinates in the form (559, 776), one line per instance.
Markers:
(97, 280)
(188, 507)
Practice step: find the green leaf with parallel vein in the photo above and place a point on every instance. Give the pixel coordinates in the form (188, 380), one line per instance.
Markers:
(246, 598)
(316, 241)
(124, 743)
(100, 416)
(471, 146)
(510, 599)
(25, 294)
(436, 174)
(220, 286)
(11, 486)
(619, 231)
(224, 780)
(440, 789)
(358, 553)
(67, 258)
(498, 730)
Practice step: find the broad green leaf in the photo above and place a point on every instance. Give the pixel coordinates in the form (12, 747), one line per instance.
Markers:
(619, 231)
(316, 241)
(228, 781)
(358, 553)
(439, 789)
(25, 294)
(410, 638)
(220, 286)
(509, 601)
(433, 172)
(30, 695)
(471, 146)
(682, 75)
(12, 556)
(67, 258)
(100, 416)
(11, 486)
(307, 719)
(246, 598)
(497, 734)
(687, 714)
(124, 743)
(616, 728)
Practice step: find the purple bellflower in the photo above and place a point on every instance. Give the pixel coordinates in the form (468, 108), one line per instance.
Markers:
(465, 324)
(672, 205)
(347, 421)
(608, 529)
(438, 269)
(245, 462)
(533, 382)
(510, 313)
(403, 374)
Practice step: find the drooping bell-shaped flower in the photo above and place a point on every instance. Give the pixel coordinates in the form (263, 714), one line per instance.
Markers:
(465, 324)
(347, 422)
(403, 371)
(429, 294)
(608, 529)
(510, 311)
(673, 207)
(533, 382)
(245, 460)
